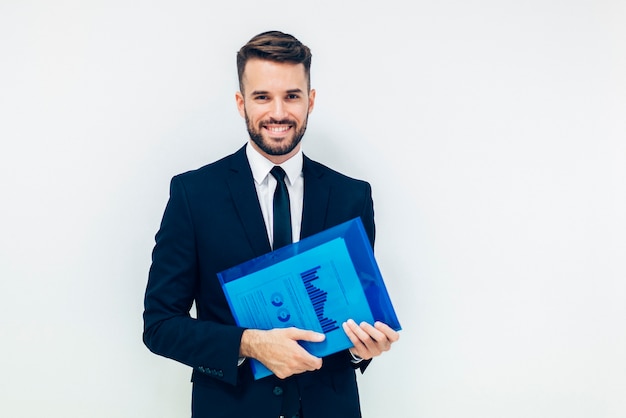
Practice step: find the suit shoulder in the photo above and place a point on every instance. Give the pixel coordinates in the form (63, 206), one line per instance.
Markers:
(211, 171)
(334, 176)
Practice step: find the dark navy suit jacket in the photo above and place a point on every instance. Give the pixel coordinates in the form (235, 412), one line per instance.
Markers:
(213, 221)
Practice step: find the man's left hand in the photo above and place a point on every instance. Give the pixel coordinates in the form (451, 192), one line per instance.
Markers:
(369, 340)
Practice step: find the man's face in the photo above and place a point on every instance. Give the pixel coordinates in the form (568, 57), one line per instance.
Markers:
(275, 104)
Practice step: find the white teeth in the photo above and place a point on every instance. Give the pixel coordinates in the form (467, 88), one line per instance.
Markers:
(278, 128)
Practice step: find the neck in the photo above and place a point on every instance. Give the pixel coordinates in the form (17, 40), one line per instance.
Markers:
(276, 159)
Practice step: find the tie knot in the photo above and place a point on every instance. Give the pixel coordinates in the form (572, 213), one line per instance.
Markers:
(279, 174)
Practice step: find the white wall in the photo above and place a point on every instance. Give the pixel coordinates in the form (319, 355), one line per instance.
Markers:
(493, 133)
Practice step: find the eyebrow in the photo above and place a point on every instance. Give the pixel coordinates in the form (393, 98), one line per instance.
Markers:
(291, 91)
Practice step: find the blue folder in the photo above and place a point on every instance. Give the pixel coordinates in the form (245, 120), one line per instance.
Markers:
(315, 284)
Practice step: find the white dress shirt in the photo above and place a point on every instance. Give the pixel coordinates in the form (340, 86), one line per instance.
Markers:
(265, 185)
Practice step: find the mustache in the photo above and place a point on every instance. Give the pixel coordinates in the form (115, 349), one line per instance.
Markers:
(273, 121)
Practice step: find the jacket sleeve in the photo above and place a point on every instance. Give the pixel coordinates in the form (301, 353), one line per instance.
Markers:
(169, 329)
(367, 217)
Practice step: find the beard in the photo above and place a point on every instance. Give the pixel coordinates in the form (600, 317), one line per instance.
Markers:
(269, 147)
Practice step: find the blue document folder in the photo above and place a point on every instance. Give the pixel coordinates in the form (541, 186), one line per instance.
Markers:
(315, 284)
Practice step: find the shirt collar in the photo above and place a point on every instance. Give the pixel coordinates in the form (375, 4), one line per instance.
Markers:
(261, 166)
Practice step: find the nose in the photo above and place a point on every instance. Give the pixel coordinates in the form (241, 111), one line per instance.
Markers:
(278, 110)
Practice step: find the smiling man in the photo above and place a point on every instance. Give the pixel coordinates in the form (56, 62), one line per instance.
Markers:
(263, 196)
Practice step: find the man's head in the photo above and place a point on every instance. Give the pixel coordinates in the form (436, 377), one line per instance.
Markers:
(275, 97)
(277, 47)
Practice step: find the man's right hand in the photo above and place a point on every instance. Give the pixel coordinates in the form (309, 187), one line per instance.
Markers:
(279, 351)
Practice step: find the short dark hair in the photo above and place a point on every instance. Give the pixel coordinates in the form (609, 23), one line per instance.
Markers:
(274, 46)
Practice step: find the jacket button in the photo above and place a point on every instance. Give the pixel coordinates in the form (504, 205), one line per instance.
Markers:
(278, 390)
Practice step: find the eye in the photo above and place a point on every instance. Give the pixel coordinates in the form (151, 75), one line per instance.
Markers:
(293, 96)
(261, 97)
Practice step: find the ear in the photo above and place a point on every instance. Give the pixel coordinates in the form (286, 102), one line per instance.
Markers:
(311, 100)
(241, 104)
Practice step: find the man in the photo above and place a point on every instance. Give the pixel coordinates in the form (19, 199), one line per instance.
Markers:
(222, 215)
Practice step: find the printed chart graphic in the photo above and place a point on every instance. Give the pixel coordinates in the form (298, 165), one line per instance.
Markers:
(318, 298)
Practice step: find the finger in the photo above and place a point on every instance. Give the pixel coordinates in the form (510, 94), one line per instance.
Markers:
(315, 363)
(369, 343)
(374, 333)
(365, 332)
(359, 348)
(381, 333)
(308, 361)
(347, 328)
(380, 341)
(389, 332)
(295, 361)
(306, 335)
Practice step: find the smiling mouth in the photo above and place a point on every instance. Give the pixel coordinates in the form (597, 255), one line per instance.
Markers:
(277, 129)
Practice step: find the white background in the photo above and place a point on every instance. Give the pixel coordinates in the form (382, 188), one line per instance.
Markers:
(494, 136)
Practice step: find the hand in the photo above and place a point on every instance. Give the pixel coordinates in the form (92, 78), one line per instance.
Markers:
(279, 351)
(369, 341)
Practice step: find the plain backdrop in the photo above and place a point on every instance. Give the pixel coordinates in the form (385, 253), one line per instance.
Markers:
(493, 134)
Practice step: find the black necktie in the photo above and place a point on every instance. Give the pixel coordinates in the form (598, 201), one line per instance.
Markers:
(282, 213)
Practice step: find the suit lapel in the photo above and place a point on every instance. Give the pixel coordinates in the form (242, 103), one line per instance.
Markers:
(243, 193)
(316, 194)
